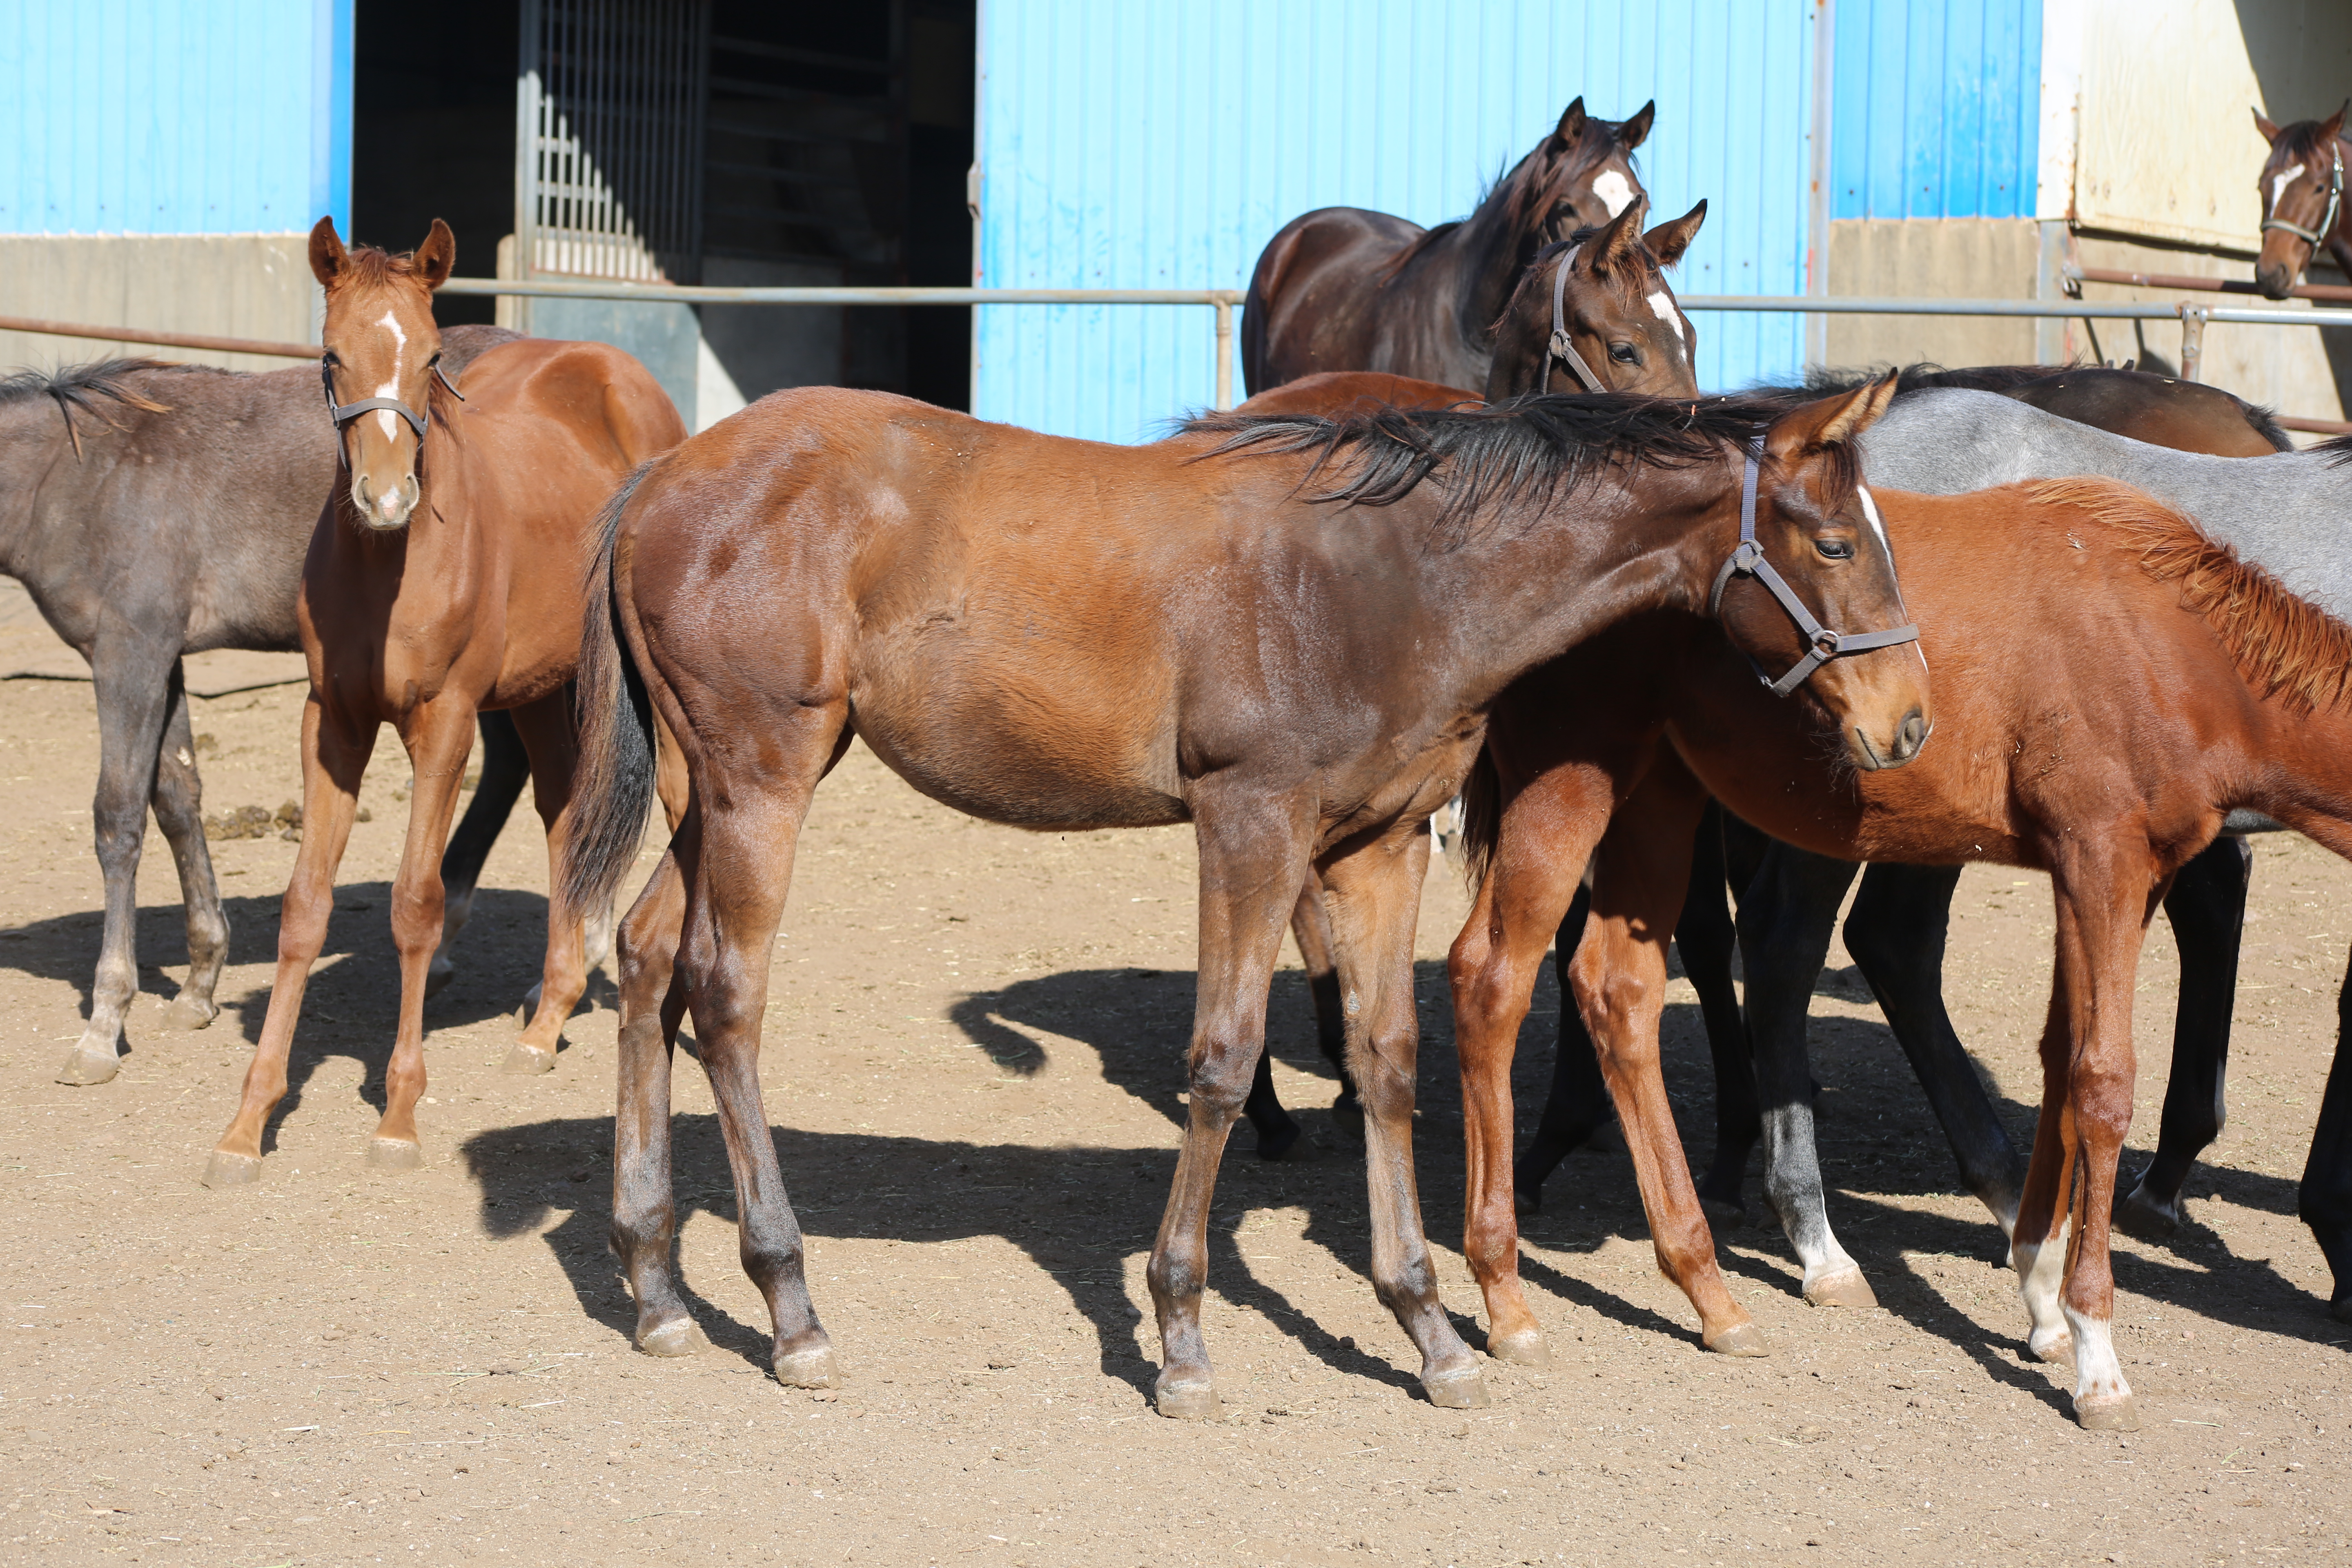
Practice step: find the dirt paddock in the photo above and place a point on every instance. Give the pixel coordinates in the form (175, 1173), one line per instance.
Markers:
(974, 1068)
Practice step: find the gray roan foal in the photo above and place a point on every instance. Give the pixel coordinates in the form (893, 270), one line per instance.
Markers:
(157, 510)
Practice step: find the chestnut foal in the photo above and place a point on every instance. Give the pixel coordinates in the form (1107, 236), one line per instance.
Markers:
(443, 579)
(1058, 635)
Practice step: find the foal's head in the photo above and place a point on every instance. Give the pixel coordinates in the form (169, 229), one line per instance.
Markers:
(1819, 528)
(2303, 196)
(1606, 288)
(1579, 176)
(380, 345)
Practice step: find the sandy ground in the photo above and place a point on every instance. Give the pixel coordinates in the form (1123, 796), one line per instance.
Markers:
(975, 1070)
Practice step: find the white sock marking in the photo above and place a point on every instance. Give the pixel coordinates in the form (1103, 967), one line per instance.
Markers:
(2098, 1376)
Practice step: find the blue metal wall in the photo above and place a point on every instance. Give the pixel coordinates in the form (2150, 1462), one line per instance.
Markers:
(174, 116)
(1161, 145)
(1937, 108)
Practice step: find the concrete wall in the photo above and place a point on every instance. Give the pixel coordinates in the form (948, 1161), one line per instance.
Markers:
(1926, 258)
(236, 285)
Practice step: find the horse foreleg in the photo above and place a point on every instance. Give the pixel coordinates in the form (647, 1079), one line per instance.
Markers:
(1619, 979)
(2207, 907)
(179, 804)
(644, 1216)
(1253, 862)
(547, 734)
(1537, 872)
(1705, 937)
(506, 767)
(1577, 1105)
(2324, 1200)
(335, 755)
(1786, 918)
(132, 685)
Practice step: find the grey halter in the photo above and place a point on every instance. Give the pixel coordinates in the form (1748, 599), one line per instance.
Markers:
(343, 413)
(1561, 348)
(1747, 560)
(2335, 204)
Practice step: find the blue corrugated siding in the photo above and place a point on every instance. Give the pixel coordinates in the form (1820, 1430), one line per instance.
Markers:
(1937, 108)
(174, 116)
(1132, 145)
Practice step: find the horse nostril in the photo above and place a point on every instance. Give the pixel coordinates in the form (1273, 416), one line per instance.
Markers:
(1912, 735)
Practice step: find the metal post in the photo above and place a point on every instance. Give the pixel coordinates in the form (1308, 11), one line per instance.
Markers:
(1225, 350)
(2192, 340)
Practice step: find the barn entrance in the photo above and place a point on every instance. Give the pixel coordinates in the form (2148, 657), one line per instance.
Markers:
(689, 141)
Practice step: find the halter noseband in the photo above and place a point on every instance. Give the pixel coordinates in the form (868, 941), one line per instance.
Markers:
(1560, 349)
(343, 413)
(2335, 204)
(1824, 644)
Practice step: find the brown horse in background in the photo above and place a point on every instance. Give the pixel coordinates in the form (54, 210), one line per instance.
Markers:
(1346, 289)
(2304, 209)
(2110, 684)
(443, 579)
(1058, 633)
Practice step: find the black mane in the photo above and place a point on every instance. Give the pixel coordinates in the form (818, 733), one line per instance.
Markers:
(1524, 451)
(1823, 381)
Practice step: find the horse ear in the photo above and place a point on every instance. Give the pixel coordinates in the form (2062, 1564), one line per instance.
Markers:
(1830, 421)
(1613, 247)
(2269, 132)
(1637, 130)
(438, 254)
(2333, 126)
(327, 254)
(1669, 240)
(1571, 129)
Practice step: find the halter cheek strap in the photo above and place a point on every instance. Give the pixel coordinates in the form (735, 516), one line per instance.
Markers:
(1824, 643)
(2318, 239)
(1561, 348)
(343, 413)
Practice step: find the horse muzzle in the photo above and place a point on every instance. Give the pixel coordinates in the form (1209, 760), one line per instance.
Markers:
(1909, 739)
(386, 509)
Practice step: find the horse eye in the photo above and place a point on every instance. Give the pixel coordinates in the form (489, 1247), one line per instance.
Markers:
(1624, 353)
(1834, 548)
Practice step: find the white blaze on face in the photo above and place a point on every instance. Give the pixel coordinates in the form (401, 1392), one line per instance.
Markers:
(1615, 191)
(392, 388)
(1662, 305)
(2280, 182)
(1870, 510)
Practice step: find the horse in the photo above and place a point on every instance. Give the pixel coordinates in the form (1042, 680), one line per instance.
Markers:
(1268, 627)
(151, 511)
(1345, 289)
(2302, 187)
(2280, 511)
(2190, 683)
(1604, 287)
(442, 580)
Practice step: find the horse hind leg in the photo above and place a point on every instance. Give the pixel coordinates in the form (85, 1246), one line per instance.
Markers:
(1278, 1133)
(133, 703)
(178, 800)
(644, 1217)
(506, 767)
(2324, 1199)
(547, 734)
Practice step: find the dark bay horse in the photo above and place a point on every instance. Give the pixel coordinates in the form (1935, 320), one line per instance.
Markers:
(1345, 289)
(2228, 692)
(2303, 208)
(443, 580)
(156, 510)
(1269, 628)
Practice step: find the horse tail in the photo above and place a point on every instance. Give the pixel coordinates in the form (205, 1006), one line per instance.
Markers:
(614, 786)
(1482, 817)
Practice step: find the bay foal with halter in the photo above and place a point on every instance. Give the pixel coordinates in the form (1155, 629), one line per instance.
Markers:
(1346, 289)
(1593, 314)
(2303, 211)
(443, 579)
(2228, 692)
(1056, 634)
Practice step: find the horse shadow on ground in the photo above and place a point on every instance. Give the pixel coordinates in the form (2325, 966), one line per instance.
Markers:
(1082, 1214)
(351, 1007)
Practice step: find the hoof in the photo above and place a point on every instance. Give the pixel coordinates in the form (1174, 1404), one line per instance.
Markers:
(2145, 1217)
(86, 1068)
(1457, 1391)
(1740, 1339)
(188, 1014)
(1185, 1399)
(1521, 1347)
(1722, 1216)
(811, 1366)
(678, 1336)
(437, 975)
(528, 1061)
(2108, 1413)
(2340, 1309)
(227, 1170)
(394, 1154)
(1286, 1144)
(2058, 1350)
(1526, 1199)
(1846, 1288)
